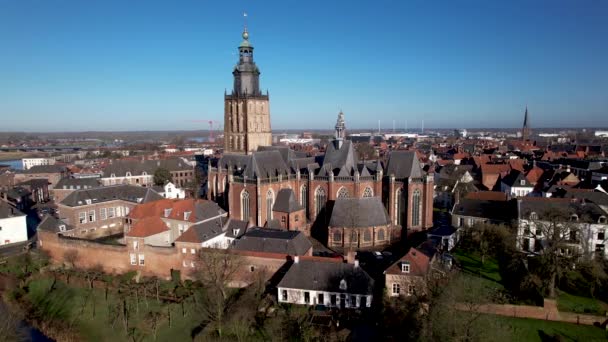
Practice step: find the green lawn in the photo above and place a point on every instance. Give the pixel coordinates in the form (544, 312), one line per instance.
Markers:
(93, 316)
(578, 304)
(471, 263)
(523, 329)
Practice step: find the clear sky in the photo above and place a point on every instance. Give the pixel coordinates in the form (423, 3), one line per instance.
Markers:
(147, 65)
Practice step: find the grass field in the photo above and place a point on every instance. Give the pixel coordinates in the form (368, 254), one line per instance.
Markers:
(96, 319)
(523, 329)
(578, 304)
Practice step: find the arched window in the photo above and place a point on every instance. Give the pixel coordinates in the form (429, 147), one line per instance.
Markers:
(533, 216)
(368, 192)
(338, 236)
(245, 205)
(269, 204)
(399, 207)
(342, 193)
(380, 235)
(320, 199)
(304, 198)
(367, 236)
(416, 208)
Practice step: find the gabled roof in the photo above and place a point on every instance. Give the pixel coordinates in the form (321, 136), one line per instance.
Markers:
(177, 209)
(501, 211)
(45, 169)
(560, 207)
(147, 227)
(36, 182)
(204, 231)
(77, 183)
(286, 202)
(403, 164)
(130, 193)
(418, 259)
(261, 164)
(515, 179)
(359, 212)
(326, 276)
(342, 158)
(273, 241)
(8, 211)
(51, 224)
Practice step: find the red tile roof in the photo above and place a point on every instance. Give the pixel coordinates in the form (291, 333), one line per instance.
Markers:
(419, 264)
(487, 195)
(534, 174)
(147, 227)
(157, 208)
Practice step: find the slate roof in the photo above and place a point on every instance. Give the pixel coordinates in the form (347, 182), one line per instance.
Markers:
(17, 192)
(514, 179)
(326, 276)
(36, 182)
(342, 158)
(45, 169)
(204, 231)
(120, 167)
(77, 183)
(236, 224)
(286, 202)
(359, 212)
(130, 193)
(7, 211)
(502, 211)
(261, 164)
(545, 207)
(51, 224)
(403, 164)
(273, 241)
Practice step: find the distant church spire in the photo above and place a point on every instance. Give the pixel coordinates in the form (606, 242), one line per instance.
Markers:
(525, 132)
(340, 129)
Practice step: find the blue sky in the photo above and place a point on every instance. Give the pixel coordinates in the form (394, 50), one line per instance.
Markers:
(147, 65)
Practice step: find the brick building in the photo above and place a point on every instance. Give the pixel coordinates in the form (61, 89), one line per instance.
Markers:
(97, 212)
(141, 172)
(53, 173)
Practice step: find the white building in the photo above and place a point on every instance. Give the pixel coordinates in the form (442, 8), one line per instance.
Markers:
(584, 226)
(29, 162)
(13, 225)
(329, 283)
(516, 184)
(170, 191)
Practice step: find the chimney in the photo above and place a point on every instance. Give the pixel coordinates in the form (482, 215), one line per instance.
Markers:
(296, 259)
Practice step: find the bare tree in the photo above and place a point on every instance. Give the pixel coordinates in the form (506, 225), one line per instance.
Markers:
(560, 239)
(216, 269)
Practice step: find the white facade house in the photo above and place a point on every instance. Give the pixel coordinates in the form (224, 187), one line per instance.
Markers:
(13, 225)
(169, 190)
(585, 229)
(29, 162)
(332, 284)
(516, 184)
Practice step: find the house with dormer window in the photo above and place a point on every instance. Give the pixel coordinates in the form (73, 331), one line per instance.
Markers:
(408, 276)
(332, 283)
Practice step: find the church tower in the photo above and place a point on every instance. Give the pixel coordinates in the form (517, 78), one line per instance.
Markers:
(525, 131)
(246, 109)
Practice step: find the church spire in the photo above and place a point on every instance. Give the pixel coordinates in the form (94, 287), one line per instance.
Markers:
(246, 73)
(340, 129)
(525, 132)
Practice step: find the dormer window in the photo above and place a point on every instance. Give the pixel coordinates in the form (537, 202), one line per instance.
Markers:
(88, 201)
(113, 175)
(144, 173)
(167, 212)
(602, 219)
(533, 216)
(62, 228)
(187, 215)
(128, 174)
(343, 285)
(405, 267)
(574, 217)
(522, 182)
(235, 232)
